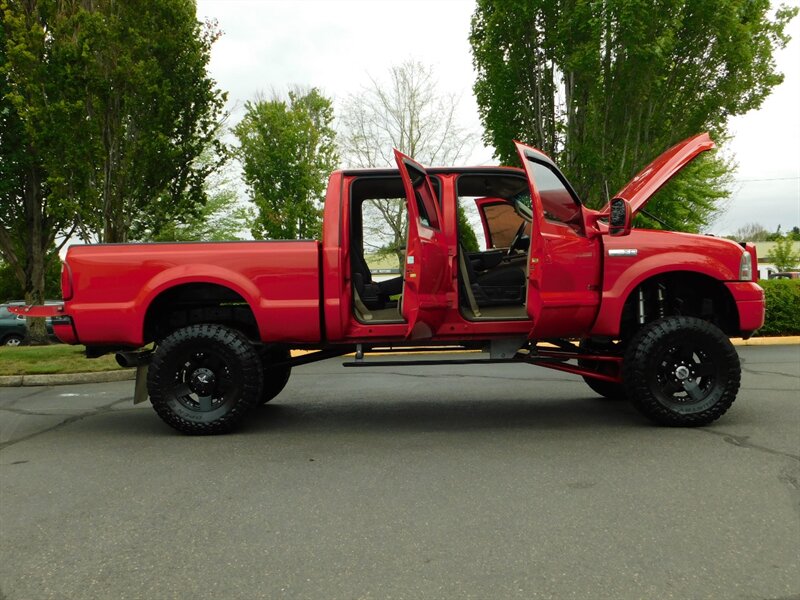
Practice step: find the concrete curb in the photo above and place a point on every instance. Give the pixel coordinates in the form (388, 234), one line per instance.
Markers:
(130, 374)
(67, 378)
(788, 340)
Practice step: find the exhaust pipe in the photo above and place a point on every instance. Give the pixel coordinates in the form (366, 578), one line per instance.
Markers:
(137, 358)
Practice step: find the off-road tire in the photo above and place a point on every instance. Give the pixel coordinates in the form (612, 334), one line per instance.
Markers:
(681, 371)
(275, 378)
(606, 389)
(204, 379)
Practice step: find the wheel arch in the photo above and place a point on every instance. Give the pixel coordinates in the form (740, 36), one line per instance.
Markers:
(190, 302)
(686, 292)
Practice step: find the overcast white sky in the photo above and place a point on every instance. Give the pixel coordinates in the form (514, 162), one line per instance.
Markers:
(337, 45)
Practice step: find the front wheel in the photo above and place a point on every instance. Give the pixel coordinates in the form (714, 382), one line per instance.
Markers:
(203, 379)
(681, 371)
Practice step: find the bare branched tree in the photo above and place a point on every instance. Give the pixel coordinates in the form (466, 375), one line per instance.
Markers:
(751, 232)
(406, 111)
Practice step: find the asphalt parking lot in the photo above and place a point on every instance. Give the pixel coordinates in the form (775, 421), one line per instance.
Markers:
(498, 481)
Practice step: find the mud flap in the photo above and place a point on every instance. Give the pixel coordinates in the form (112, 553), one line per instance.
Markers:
(140, 393)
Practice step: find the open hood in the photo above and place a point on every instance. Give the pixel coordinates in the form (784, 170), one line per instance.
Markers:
(652, 178)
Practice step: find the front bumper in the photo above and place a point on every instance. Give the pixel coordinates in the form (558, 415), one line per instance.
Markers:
(750, 304)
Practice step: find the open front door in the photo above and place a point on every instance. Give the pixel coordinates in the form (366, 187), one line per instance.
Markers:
(564, 264)
(426, 273)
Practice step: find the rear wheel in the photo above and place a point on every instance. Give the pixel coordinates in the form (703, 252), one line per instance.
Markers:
(275, 378)
(681, 371)
(203, 379)
(607, 389)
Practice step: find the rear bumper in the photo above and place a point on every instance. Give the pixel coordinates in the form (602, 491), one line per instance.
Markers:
(47, 310)
(750, 304)
(63, 327)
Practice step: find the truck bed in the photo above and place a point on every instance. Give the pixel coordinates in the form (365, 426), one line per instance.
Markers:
(114, 286)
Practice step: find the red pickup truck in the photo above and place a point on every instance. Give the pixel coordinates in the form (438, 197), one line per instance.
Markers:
(652, 310)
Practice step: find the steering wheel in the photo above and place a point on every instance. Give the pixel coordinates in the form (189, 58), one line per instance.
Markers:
(517, 238)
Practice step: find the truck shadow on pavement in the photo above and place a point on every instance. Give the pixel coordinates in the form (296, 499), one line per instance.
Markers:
(338, 416)
(441, 415)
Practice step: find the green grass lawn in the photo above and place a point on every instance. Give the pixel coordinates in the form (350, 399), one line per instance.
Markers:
(58, 358)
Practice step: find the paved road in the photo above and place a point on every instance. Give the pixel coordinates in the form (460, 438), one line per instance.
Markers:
(441, 482)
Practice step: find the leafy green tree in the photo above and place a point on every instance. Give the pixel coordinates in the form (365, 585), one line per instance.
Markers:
(11, 289)
(776, 235)
(33, 209)
(604, 87)
(221, 218)
(287, 150)
(154, 109)
(466, 234)
(115, 100)
(104, 107)
(783, 255)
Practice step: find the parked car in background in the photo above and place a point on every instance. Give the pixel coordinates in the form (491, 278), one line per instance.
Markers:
(785, 275)
(14, 328)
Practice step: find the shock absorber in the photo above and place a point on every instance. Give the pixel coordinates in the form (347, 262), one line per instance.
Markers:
(641, 306)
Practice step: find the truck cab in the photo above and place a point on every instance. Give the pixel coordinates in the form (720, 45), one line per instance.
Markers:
(548, 263)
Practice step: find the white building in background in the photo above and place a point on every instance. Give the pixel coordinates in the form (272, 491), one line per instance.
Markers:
(765, 268)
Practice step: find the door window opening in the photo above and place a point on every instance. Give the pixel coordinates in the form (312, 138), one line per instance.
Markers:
(493, 278)
(378, 241)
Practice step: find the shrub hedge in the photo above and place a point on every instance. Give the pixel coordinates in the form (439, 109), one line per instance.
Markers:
(783, 307)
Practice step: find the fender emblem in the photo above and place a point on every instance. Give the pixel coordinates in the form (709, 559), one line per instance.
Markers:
(623, 252)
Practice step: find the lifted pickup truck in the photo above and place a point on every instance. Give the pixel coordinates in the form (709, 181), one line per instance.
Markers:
(652, 310)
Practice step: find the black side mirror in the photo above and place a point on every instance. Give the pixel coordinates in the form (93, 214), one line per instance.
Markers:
(619, 222)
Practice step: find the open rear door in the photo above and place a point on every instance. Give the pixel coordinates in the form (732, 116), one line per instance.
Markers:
(427, 270)
(536, 252)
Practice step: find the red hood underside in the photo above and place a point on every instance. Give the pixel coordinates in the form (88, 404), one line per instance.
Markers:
(654, 176)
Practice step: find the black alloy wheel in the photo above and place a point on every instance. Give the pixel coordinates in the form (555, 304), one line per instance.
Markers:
(203, 379)
(681, 371)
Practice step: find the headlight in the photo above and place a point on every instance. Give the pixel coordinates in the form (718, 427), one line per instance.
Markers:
(746, 267)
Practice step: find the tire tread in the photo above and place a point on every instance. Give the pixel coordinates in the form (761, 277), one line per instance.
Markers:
(238, 346)
(635, 376)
